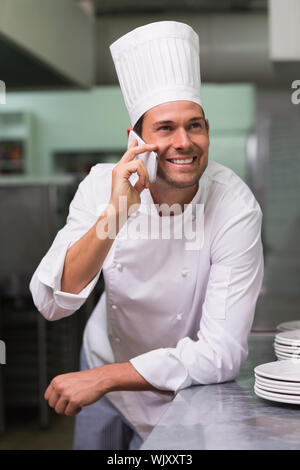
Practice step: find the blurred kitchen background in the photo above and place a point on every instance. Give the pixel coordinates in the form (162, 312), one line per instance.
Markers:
(63, 112)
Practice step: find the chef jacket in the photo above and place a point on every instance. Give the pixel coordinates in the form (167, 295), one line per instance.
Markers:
(181, 316)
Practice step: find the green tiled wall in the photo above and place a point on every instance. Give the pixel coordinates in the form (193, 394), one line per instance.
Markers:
(97, 120)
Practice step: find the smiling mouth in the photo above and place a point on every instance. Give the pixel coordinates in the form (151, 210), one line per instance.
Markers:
(182, 161)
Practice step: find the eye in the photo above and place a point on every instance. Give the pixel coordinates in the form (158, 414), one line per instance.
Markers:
(196, 125)
(164, 128)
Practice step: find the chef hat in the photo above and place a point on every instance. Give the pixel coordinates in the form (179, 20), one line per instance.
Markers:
(157, 63)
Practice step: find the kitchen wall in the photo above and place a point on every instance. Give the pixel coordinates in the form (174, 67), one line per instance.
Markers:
(97, 120)
(278, 183)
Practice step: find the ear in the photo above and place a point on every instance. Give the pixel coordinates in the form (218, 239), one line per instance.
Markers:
(128, 131)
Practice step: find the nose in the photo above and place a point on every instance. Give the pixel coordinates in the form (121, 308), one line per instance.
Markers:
(181, 140)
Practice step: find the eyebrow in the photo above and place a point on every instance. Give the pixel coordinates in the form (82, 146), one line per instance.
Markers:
(165, 123)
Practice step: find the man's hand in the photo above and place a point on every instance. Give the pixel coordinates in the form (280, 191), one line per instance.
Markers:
(122, 172)
(68, 393)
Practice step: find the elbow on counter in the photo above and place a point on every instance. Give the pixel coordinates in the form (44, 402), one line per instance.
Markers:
(217, 373)
(228, 364)
(208, 364)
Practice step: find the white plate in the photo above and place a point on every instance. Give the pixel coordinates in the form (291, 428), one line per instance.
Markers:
(286, 345)
(283, 390)
(278, 394)
(280, 370)
(276, 397)
(291, 338)
(295, 355)
(289, 325)
(269, 384)
(283, 358)
(288, 349)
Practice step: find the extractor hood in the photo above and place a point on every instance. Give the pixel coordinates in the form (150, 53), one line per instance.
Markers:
(285, 31)
(46, 44)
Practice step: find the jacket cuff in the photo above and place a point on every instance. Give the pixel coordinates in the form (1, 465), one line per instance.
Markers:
(50, 274)
(162, 369)
(69, 301)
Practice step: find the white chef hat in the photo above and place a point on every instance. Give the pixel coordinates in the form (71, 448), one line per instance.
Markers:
(157, 63)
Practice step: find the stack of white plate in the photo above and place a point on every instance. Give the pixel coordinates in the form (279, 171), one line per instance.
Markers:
(288, 326)
(287, 345)
(278, 381)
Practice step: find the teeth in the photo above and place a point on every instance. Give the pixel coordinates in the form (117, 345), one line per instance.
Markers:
(188, 160)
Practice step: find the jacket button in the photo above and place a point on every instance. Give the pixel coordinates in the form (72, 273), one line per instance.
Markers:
(114, 307)
(117, 340)
(119, 266)
(179, 316)
(184, 272)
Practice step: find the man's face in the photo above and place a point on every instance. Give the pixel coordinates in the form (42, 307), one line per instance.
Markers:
(178, 129)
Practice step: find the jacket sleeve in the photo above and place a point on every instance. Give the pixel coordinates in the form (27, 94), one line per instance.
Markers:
(45, 285)
(233, 287)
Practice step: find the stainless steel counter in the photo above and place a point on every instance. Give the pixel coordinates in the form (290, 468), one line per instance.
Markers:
(229, 415)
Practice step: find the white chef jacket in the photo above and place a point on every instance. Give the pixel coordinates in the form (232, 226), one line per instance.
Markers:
(181, 317)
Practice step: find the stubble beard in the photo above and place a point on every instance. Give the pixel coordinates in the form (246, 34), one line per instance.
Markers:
(164, 178)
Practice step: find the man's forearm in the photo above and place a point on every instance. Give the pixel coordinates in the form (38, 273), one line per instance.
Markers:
(68, 393)
(123, 376)
(86, 257)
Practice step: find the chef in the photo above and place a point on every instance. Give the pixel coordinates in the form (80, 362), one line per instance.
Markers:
(170, 317)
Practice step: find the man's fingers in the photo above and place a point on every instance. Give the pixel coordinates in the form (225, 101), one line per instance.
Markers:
(53, 398)
(132, 152)
(68, 393)
(139, 186)
(61, 406)
(48, 392)
(133, 144)
(138, 166)
(72, 410)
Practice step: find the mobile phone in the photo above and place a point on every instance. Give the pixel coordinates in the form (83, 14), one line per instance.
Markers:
(149, 158)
